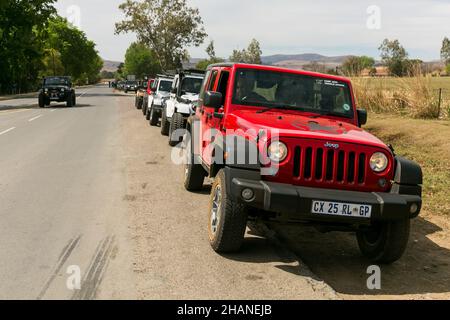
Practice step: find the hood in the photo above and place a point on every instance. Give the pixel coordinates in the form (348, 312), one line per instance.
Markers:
(162, 94)
(192, 97)
(296, 125)
(52, 87)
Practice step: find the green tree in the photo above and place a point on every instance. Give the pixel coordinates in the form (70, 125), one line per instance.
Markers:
(140, 61)
(254, 52)
(167, 27)
(394, 56)
(445, 51)
(211, 52)
(353, 66)
(250, 55)
(78, 55)
(239, 56)
(22, 33)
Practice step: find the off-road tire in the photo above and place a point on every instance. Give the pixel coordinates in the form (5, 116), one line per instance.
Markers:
(41, 101)
(153, 117)
(165, 124)
(386, 242)
(137, 103)
(194, 174)
(143, 108)
(69, 102)
(232, 222)
(176, 123)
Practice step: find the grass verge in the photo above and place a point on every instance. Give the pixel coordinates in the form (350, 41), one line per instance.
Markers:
(426, 142)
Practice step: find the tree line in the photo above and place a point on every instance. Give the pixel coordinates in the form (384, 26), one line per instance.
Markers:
(36, 42)
(164, 30)
(395, 57)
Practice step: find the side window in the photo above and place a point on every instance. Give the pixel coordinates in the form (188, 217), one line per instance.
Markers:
(223, 85)
(213, 80)
(202, 91)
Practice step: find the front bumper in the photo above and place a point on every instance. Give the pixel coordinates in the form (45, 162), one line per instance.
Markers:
(295, 202)
(56, 96)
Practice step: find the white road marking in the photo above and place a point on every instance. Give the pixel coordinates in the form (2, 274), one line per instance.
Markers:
(83, 93)
(35, 118)
(8, 130)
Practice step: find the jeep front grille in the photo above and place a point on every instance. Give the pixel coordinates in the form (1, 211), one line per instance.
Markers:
(329, 165)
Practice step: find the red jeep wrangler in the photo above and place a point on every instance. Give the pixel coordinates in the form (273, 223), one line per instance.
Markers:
(287, 145)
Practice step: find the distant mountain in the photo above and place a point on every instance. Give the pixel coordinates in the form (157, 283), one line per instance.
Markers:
(110, 66)
(297, 61)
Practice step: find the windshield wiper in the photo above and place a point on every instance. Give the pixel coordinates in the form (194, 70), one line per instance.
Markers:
(283, 107)
(334, 114)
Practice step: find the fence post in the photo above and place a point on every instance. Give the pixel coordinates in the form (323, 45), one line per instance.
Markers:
(440, 101)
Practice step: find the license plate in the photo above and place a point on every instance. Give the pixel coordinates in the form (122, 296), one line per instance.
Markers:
(342, 209)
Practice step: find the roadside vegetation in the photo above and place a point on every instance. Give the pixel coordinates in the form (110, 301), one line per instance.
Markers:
(416, 97)
(36, 42)
(427, 143)
(409, 91)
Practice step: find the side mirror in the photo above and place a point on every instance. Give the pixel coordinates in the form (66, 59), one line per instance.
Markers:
(213, 100)
(362, 117)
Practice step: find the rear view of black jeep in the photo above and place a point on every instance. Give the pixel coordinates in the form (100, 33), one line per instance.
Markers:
(57, 89)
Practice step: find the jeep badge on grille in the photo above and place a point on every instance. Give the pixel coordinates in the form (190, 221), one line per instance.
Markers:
(331, 145)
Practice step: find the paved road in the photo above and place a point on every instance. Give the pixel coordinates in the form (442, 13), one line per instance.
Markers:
(93, 189)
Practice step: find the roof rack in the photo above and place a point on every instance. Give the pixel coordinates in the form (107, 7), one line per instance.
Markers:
(193, 71)
(165, 75)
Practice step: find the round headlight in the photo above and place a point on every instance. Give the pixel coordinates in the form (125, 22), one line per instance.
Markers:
(379, 162)
(277, 151)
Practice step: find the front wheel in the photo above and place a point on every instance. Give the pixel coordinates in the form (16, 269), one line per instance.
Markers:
(227, 218)
(385, 242)
(41, 101)
(153, 117)
(143, 107)
(70, 101)
(165, 124)
(194, 174)
(176, 123)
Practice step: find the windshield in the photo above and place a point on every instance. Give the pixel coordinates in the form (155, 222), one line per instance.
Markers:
(56, 81)
(132, 83)
(191, 85)
(281, 89)
(165, 85)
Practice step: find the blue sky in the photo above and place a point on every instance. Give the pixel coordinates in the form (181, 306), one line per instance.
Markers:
(290, 26)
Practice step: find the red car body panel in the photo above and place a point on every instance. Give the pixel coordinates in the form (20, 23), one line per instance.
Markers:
(303, 131)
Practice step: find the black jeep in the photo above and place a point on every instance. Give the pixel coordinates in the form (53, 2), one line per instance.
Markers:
(57, 89)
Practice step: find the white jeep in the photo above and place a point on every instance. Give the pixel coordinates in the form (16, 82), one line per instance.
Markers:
(160, 91)
(181, 103)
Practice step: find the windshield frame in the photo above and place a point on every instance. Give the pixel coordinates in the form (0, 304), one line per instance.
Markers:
(261, 106)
